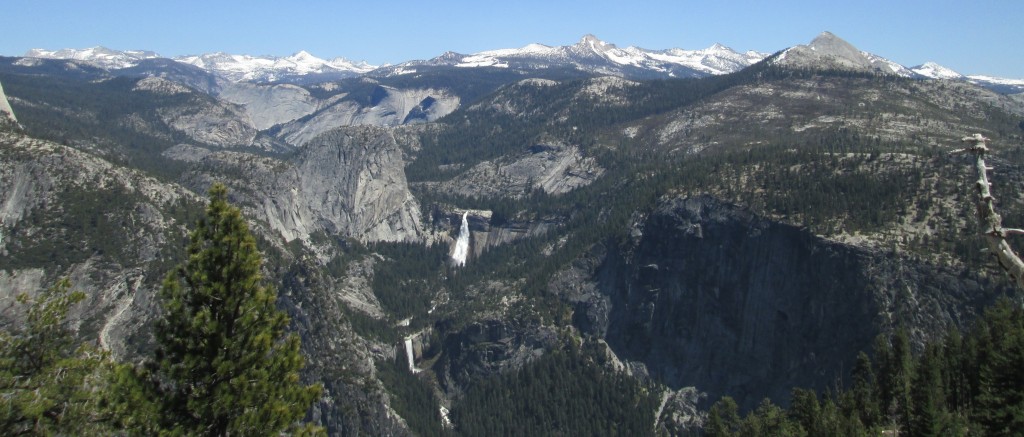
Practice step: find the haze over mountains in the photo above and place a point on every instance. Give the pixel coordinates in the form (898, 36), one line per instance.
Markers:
(590, 55)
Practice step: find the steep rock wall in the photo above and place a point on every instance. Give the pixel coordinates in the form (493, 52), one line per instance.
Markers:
(389, 107)
(349, 182)
(6, 113)
(712, 296)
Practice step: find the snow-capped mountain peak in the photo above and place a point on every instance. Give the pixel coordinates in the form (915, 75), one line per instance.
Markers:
(232, 67)
(594, 44)
(933, 70)
(304, 56)
(98, 56)
(589, 54)
(272, 68)
(592, 54)
(829, 51)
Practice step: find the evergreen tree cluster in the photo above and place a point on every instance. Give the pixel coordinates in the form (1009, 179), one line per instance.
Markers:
(960, 385)
(561, 393)
(412, 397)
(224, 364)
(47, 382)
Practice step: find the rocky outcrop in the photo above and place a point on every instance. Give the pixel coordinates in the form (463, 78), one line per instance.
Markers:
(484, 232)
(116, 232)
(680, 412)
(220, 124)
(270, 105)
(349, 182)
(386, 106)
(354, 401)
(355, 288)
(711, 296)
(828, 51)
(6, 113)
(490, 347)
(553, 168)
(66, 213)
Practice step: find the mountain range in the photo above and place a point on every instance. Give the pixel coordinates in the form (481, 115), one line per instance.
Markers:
(492, 226)
(590, 55)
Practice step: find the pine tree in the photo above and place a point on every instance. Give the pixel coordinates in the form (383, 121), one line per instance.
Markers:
(47, 384)
(723, 418)
(862, 394)
(769, 419)
(929, 416)
(1000, 402)
(894, 377)
(224, 364)
(805, 410)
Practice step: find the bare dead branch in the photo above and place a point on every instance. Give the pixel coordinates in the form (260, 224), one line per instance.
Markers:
(991, 223)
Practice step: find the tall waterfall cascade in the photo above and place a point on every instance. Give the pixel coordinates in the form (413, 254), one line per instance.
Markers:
(462, 244)
(409, 355)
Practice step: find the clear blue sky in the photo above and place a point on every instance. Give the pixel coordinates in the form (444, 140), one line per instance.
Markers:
(972, 37)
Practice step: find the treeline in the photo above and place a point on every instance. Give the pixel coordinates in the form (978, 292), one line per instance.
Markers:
(561, 393)
(959, 385)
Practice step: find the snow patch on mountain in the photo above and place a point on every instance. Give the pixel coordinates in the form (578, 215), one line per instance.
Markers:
(717, 59)
(884, 65)
(594, 55)
(271, 68)
(996, 80)
(933, 70)
(233, 67)
(98, 56)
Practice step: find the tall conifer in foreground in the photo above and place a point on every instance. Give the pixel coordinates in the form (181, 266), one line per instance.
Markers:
(224, 364)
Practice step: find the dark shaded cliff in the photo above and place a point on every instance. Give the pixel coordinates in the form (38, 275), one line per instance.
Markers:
(709, 295)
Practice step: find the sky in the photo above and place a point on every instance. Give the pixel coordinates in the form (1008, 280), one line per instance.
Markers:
(971, 37)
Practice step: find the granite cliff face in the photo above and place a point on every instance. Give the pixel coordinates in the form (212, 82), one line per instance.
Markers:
(551, 168)
(349, 182)
(115, 232)
(385, 106)
(269, 105)
(64, 212)
(6, 113)
(709, 295)
(489, 347)
(204, 120)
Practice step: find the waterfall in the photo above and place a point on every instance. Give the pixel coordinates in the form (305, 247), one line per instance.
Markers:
(462, 244)
(409, 356)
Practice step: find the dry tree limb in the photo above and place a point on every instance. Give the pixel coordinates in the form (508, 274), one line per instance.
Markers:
(991, 223)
